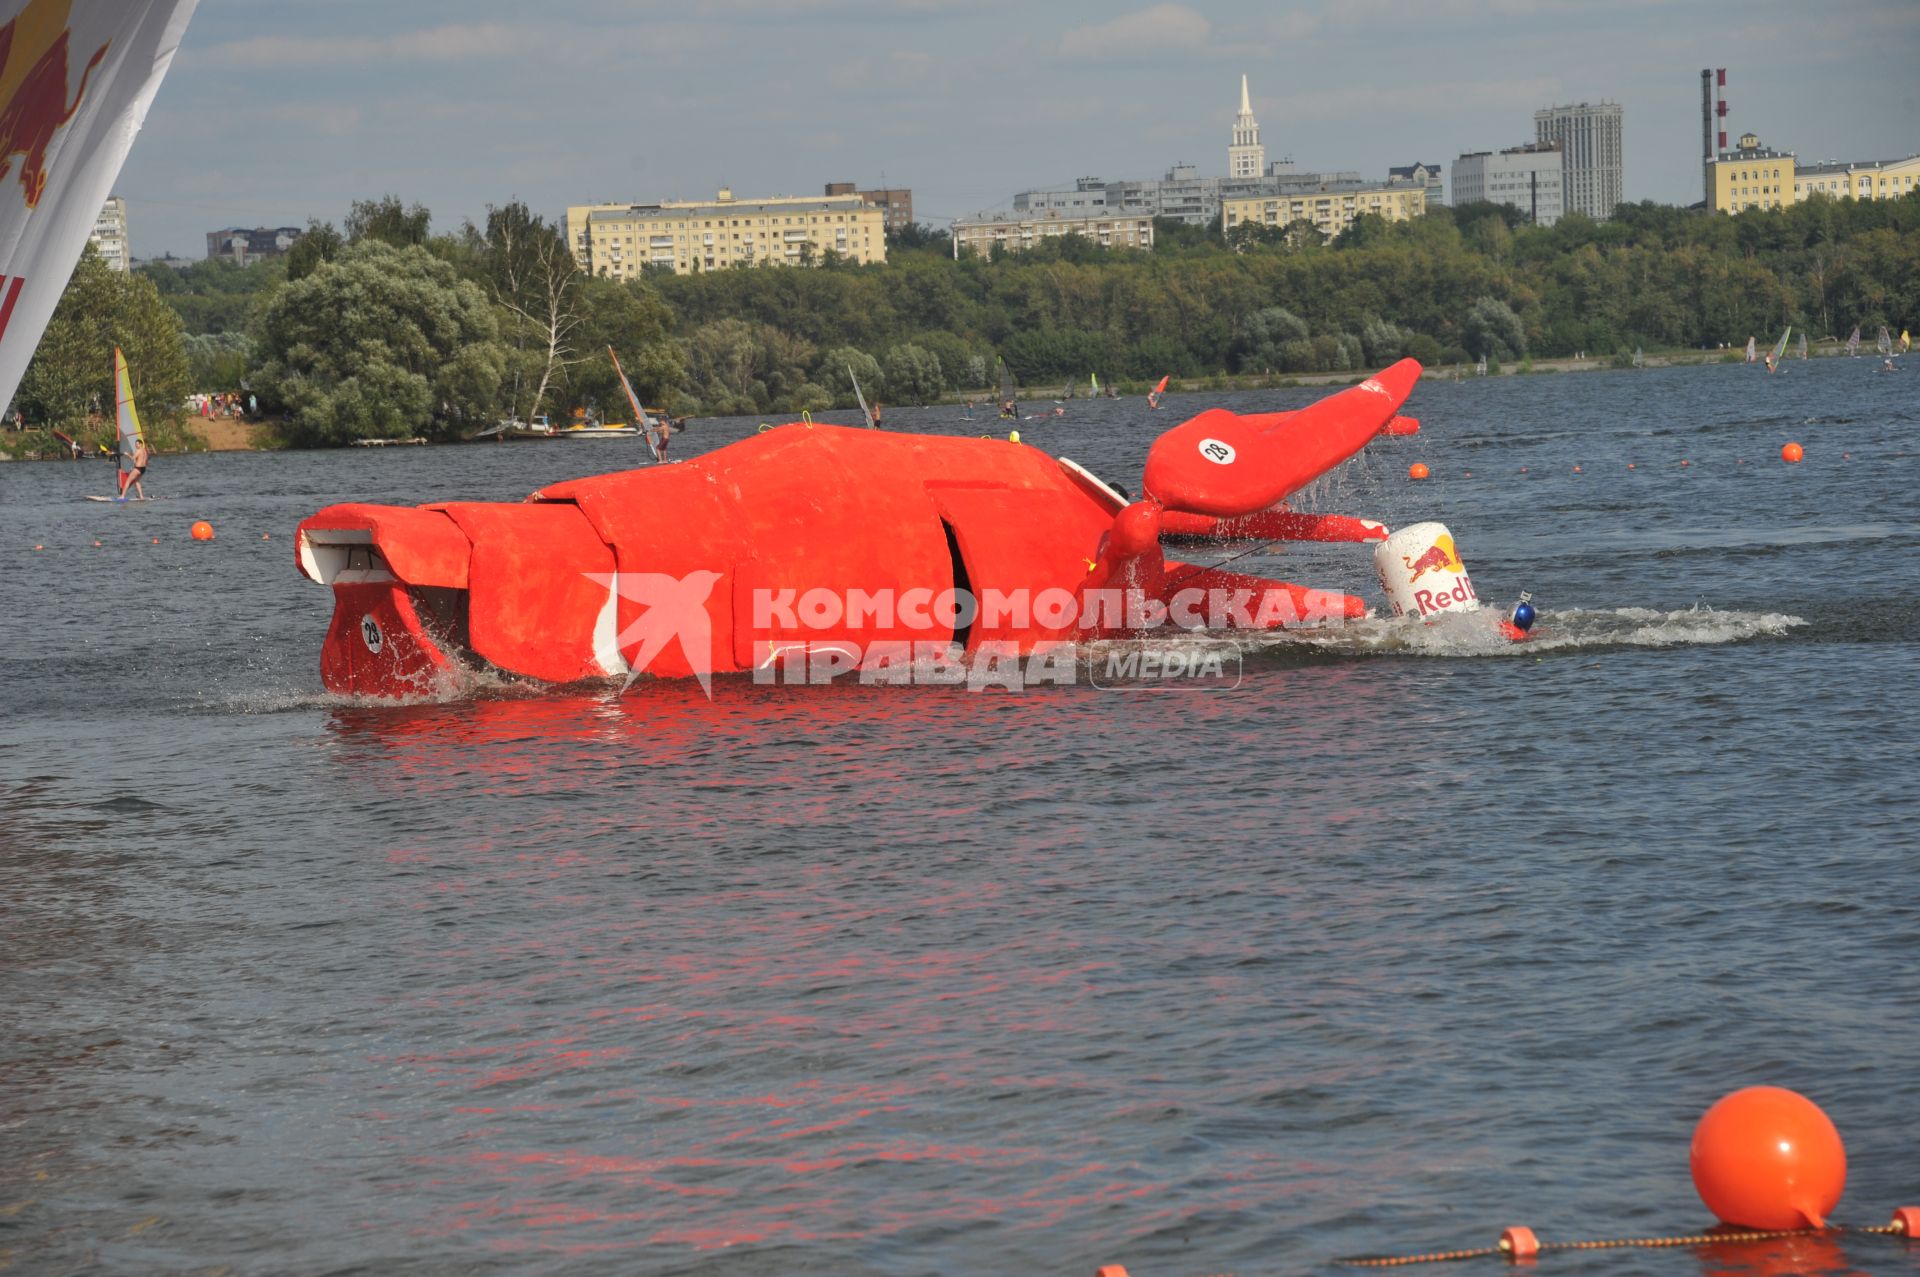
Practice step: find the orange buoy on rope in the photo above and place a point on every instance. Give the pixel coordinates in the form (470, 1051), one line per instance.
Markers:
(1418, 470)
(1791, 452)
(202, 530)
(1766, 1157)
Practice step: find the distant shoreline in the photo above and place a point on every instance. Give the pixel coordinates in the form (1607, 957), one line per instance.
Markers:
(221, 434)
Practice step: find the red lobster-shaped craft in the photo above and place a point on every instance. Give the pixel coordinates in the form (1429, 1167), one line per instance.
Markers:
(812, 537)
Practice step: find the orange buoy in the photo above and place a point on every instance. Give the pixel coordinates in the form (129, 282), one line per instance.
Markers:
(202, 530)
(1418, 470)
(1767, 1157)
(1791, 452)
(1519, 1243)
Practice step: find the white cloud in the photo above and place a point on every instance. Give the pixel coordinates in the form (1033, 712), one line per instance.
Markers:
(458, 43)
(1153, 32)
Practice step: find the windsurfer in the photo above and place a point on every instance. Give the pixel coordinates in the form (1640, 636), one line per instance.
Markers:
(874, 420)
(141, 456)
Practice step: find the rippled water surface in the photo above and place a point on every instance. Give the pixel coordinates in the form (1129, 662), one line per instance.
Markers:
(1405, 938)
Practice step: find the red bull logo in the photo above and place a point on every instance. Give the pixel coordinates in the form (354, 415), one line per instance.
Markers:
(1438, 557)
(33, 87)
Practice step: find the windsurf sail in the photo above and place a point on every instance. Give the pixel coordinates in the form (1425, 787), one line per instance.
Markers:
(866, 413)
(1800, 351)
(1885, 344)
(1780, 348)
(1153, 396)
(1639, 359)
(649, 428)
(126, 419)
(77, 82)
(1007, 394)
(1751, 354)
(1906, 342)
(1853, 343)
(1480, 369)
(1093, 385)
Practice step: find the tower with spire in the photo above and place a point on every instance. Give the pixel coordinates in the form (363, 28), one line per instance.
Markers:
(1246, 157)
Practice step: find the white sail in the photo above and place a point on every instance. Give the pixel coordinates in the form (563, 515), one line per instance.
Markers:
(1885, 344)
(1750, 350)
(1800, 350)
(648, 428)
(75, 85)
(866, 413)
(1853, 342)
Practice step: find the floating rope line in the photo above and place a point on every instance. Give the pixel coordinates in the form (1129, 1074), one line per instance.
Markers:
(1520, 1243)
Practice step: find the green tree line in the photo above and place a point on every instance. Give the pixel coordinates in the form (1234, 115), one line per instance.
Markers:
(386, 328)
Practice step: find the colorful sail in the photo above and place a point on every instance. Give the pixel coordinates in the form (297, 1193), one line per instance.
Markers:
(78, 82)
(649, 429)
(1885, 344)
(1751, 355)
(1853, 343)
(126, 418)
(1780, 347)
(1153, 396)
(1906, 342)
(1093, 385)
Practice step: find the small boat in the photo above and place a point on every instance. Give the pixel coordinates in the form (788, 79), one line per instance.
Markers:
(600, 430)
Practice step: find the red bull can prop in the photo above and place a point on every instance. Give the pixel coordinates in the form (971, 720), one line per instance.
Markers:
(1421, 572)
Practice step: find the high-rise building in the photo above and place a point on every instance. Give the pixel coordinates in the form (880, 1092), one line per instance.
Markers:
(109, 236)
(895, 201)
(1246, 157)
(1589, 138)
(1529, 178)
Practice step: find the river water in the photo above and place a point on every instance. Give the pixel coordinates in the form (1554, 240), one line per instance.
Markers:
(1404, 938)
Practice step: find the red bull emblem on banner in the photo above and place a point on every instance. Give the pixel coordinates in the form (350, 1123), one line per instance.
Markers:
(1421, 572)
(33, 90)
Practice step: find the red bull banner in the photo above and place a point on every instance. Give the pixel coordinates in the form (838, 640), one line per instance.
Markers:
(76, 78)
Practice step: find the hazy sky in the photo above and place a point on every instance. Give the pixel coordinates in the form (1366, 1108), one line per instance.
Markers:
(277, 111)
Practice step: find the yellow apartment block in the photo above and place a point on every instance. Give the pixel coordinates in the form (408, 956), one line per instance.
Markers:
(1330, 210)
(1755, 176)
(684, 236)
